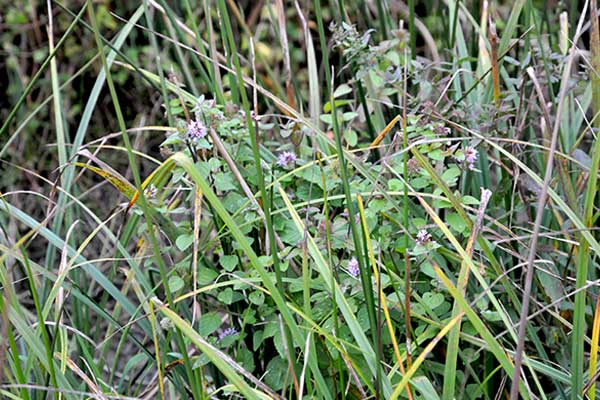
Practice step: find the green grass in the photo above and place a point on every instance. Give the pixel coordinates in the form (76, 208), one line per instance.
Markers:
(227, 199)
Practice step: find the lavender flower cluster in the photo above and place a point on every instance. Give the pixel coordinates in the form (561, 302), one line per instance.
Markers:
(227, 332)
(195, 130)
(470, 157)
(423, 237)
(353, 267)
(286, 159)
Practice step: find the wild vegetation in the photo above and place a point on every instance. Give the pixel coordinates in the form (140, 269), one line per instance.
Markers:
(299, 199)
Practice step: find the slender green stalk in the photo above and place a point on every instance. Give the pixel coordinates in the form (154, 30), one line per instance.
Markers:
(48, 342)
(454, 23)
(405, 213)
(334, 271)
(195, 387)
(5, 305)
(208, 66)
(583, 255)
(365, 276)
(323, 44)
(382, 17)
(158, 61)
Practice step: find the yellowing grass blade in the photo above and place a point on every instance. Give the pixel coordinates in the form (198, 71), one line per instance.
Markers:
(120, 183)
(594, 350)
(384, 132)
(233, 371)
(157, 177)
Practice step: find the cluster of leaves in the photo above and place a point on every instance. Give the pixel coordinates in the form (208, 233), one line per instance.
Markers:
(312, 184)
(293, 250)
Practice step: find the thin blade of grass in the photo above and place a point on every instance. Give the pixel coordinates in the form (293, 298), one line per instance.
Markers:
(326, 273)
(533, 244)
(388, 319)
(594, 350)
(275, 293)
(579, 328)
(223, 362)
(463, 277)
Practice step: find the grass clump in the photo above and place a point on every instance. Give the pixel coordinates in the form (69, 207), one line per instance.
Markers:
(299, 200)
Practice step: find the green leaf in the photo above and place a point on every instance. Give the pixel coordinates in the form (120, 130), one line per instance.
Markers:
(342, 90)
(224, 182)
(226, 296)
(451, 175)
(437, 155)
(206, 276)
(228, 262)
(338, 103)
(175, 283)
(433, 300)
(456, 222)
(326, 118)
(424, 386)
(348, 116)
(246, 359)
(550, 281)
(351, 137)
(419, 222)
(427, 269)
(395, 185)
(469, 201)
(419, 183)
(491, 316)
(257, 297)
(184, 241)
(276, 373)
(173, 138)
(209, 323)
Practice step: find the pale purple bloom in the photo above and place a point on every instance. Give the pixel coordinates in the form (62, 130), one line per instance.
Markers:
(227, 332)
(441, 130)
(470, 157)
(286, 158)
(195, 130)
(413, 166)
(151, 191)
(423, 237)
(353, 267)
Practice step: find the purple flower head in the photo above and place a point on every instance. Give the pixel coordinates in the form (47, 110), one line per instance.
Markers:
(470, 157)
(470, 154)
(226, 333)
(353, 268)
(441, 130)
(423, 237)
(195, 130)
(412, 165)
(286, 158)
